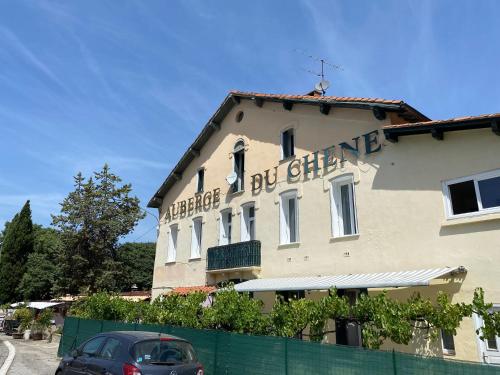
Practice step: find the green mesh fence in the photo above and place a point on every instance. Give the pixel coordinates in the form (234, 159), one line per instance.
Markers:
(229, 353)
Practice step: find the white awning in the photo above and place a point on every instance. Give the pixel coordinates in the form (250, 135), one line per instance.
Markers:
(352, 281)
(37, 305)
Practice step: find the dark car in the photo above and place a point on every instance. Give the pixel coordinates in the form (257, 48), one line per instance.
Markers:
(132, 353)
(10, 326)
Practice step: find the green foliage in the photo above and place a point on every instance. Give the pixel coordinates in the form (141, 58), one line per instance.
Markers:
(491, 319)
(42, 321)
(290, 318)
(45, 318)
(104, 306)
(93, 218)
(42, 270)
(236, 312)
(137, 262)
(25, 316)
(17, 245)
(184, 311)
(380, 317)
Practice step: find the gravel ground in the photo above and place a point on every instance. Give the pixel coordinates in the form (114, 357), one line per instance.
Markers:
(32, 357)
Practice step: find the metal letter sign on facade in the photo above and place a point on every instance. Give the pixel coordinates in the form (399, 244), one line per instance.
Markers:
(331, 155)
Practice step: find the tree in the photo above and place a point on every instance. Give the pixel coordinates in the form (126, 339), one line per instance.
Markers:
(137, 262)
(16, 247)
(2, 234)
(92, 220)
(42, 270)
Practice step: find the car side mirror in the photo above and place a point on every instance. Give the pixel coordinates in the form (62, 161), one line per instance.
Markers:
(75, 353)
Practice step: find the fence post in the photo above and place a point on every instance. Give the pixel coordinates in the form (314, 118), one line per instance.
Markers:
(394, 367)
(216, 349)
(286, 355)
(77, 334)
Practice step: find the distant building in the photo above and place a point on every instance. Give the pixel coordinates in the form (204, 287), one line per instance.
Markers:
(296, 194)
(136, 295)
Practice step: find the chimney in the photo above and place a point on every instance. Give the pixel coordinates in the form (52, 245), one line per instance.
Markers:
(314, 93)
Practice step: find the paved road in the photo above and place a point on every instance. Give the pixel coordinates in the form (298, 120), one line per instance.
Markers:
(32, 357)
(4, 352)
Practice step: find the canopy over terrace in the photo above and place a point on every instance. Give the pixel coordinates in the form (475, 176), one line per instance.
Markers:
(37, 305)
(351, 281)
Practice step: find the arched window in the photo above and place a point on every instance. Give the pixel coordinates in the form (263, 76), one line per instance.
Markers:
(239, 165)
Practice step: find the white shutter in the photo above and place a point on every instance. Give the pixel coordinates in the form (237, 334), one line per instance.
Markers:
(336, 206)
(245, 228)
(172, 244)
(284, 225)
(196, 238)
(223, 229)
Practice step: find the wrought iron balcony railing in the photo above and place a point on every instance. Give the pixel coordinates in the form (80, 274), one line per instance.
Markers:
(235, 255)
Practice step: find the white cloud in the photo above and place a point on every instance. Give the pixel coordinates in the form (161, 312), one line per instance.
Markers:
(28, 55)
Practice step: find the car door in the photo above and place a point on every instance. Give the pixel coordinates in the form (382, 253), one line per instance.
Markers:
(83, 356)
(109, 359)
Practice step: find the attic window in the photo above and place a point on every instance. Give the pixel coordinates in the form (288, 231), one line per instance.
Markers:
(239, 116)
(287, 144)
(201, 180)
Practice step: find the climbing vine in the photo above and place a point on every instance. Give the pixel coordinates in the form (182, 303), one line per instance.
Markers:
(380, 317)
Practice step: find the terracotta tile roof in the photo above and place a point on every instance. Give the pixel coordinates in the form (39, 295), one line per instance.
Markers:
(442, 122)
(184, 290)
(315, 98)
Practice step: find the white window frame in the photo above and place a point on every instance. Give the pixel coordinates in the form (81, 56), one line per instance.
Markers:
(476, 178)
(284, 214)
(487, 355)
(196, 237)
(198, 180)
(172, 243)
(282, 138)
(245, 221)
(225, 228)
(338, 229)
(447, 351)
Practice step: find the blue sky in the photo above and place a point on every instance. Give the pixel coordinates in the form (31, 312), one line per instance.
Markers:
(131, 83)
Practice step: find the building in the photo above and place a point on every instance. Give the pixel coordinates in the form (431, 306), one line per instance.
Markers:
(296, 194)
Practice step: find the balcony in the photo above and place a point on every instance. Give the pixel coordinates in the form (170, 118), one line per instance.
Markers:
(240, 255)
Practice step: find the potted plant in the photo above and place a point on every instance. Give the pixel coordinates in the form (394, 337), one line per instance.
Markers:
(25, 316)
(42, 322)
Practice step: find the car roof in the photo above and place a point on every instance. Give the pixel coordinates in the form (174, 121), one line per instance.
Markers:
(142, 335)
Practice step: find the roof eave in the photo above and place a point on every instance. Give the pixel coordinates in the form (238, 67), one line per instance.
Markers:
(393, 132)
(176, 173)
(233, 98)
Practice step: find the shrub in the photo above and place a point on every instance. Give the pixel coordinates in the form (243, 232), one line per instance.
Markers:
(25, 316)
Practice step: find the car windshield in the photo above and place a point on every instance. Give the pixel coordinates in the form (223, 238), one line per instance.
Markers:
(163, 351)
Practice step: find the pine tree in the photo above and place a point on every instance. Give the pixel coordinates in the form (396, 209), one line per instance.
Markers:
(16, 247)
(93, 218)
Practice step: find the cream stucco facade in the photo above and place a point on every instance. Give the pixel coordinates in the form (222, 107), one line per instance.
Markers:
(399, 206)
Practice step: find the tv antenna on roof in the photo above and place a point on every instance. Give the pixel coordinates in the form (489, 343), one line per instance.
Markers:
(323, 84)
